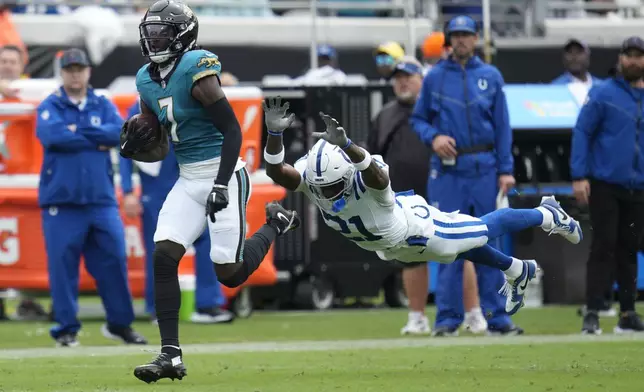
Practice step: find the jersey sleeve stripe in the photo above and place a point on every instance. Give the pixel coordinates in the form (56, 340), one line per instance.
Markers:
(203, 74)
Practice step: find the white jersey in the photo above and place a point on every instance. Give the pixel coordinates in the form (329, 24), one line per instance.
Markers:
(371, 218)
(401, 226)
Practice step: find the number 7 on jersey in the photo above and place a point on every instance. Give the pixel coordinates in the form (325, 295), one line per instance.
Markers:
(169, 114)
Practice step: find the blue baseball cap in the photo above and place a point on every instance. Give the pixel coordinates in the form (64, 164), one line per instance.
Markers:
(461, 23)
(327, 51)
(632, 43)
(74, 57)
(576, 42)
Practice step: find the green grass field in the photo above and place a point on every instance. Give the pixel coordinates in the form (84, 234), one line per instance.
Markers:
(353, 350)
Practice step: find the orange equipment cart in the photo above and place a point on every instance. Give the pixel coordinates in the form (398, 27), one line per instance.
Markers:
(22, 251)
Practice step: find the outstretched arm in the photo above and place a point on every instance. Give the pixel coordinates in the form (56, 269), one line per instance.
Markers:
(277, 121)
(373, 175)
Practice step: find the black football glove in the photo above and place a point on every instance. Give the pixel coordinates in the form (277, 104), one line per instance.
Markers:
(217, 200)
(135, 138)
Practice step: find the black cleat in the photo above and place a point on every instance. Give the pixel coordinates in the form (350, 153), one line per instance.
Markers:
(125, 335)
(629, 322)
(281, 219)
(161, 367)
(506, 330)
(590, 325)
(67, 340)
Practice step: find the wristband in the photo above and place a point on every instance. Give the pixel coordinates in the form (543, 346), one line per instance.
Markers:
(273, 133)
(349, 143)
(274, 159)
(365, 162)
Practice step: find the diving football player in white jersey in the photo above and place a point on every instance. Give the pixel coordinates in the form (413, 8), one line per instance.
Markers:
(352, 190)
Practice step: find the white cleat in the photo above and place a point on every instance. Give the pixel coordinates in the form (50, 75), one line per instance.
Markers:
(562, 223)
(475, 322)
(416, 327)
(514, 289)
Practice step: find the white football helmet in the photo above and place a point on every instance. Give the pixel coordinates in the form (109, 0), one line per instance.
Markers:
(329, 174)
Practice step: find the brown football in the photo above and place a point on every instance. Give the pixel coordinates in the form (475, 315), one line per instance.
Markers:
(143, 124)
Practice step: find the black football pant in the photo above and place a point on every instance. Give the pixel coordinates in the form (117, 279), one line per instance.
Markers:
(617, 219)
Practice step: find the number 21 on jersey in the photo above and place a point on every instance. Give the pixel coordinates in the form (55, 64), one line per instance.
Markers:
(168, 104)
(355, 221)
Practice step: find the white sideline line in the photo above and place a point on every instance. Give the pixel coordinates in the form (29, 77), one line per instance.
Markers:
(333, 345)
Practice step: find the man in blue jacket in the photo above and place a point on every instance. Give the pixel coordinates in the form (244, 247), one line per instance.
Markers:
(157, 178)
(576, 61)
(462, 115)
(607, 167)
(80, 215)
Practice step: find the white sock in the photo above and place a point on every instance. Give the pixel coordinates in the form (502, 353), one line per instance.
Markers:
(548, 219)
(416, 316)
(515, 269)
(475, 312)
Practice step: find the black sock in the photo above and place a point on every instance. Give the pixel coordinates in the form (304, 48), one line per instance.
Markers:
(255, 248)
(167, 300)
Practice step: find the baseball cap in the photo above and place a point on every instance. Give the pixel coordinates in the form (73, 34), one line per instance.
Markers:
(391, 48)
(327, 51)
(408, 65)
(461, 23)
(632, 43)
(576, 42)
(74, 57)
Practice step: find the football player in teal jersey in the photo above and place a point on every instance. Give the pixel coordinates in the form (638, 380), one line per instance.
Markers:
(181, 87)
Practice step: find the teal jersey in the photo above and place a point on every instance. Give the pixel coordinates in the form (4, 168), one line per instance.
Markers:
(193, 135)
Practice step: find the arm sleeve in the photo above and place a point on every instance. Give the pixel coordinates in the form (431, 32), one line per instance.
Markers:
(54, 133)
(223, 117)
(126, 169)
(422, 117)
(205, 64)
(588, 121)
(502, 132)
(108, 133)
